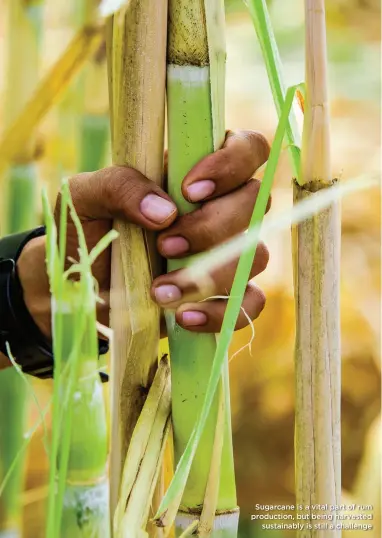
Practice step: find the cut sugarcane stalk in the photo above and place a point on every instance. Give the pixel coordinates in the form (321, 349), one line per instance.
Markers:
(317, 262)
(136, 43)
(195, 89)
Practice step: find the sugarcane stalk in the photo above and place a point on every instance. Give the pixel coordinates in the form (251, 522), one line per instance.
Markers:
(195, 91)
(316, 272)
(78, 502)
(23, 29)
(85, 495)
(136, 49)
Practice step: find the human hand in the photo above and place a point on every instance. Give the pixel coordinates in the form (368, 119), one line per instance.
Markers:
(221, 183)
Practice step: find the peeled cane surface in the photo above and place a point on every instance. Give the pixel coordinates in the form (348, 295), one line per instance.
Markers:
(191, 137)
(317, 360)
(136, 42)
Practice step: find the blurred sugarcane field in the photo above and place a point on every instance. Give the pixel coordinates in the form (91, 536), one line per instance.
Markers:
(58, 98)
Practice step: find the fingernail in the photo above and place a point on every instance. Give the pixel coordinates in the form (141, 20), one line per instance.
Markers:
(167, 293)
(200, 190)
(173, 246)
(193, 318)
(156, 208)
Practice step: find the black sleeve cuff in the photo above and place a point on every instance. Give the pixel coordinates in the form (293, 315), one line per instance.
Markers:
(27, 344)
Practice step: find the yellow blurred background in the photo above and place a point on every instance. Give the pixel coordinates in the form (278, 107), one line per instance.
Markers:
(262, 382)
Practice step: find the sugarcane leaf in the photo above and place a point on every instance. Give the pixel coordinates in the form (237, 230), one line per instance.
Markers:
(190, 529)
(214, 10)
(51, 237)
(260, 16)
(102, 245)
(182, 471)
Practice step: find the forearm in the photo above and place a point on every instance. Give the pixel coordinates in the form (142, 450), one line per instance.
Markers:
(4, 361)
(31, 269)
(25, 302)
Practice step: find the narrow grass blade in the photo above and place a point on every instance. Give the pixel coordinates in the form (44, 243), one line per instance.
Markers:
(219, 256)
(265, 34)
(208, 514)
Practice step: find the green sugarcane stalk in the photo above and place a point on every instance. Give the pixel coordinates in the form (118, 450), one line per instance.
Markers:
(78, 503)
(85, 496)
(195, 128)
(24, 29)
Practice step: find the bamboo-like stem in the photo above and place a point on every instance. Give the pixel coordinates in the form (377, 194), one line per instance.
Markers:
(195, 89)
(315, 151)
(136, 42)
(317, 262)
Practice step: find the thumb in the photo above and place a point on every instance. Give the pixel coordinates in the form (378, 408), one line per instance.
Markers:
(122, 193)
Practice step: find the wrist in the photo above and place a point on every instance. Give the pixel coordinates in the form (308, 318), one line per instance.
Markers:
(31, 270)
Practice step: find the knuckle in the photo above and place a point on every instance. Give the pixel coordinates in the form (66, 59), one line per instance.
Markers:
(242, 321)
(262, 254)
(252, 188)
(261, 300)
(119, 191)
(260, 145)
(227, 166)
(213, 225)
